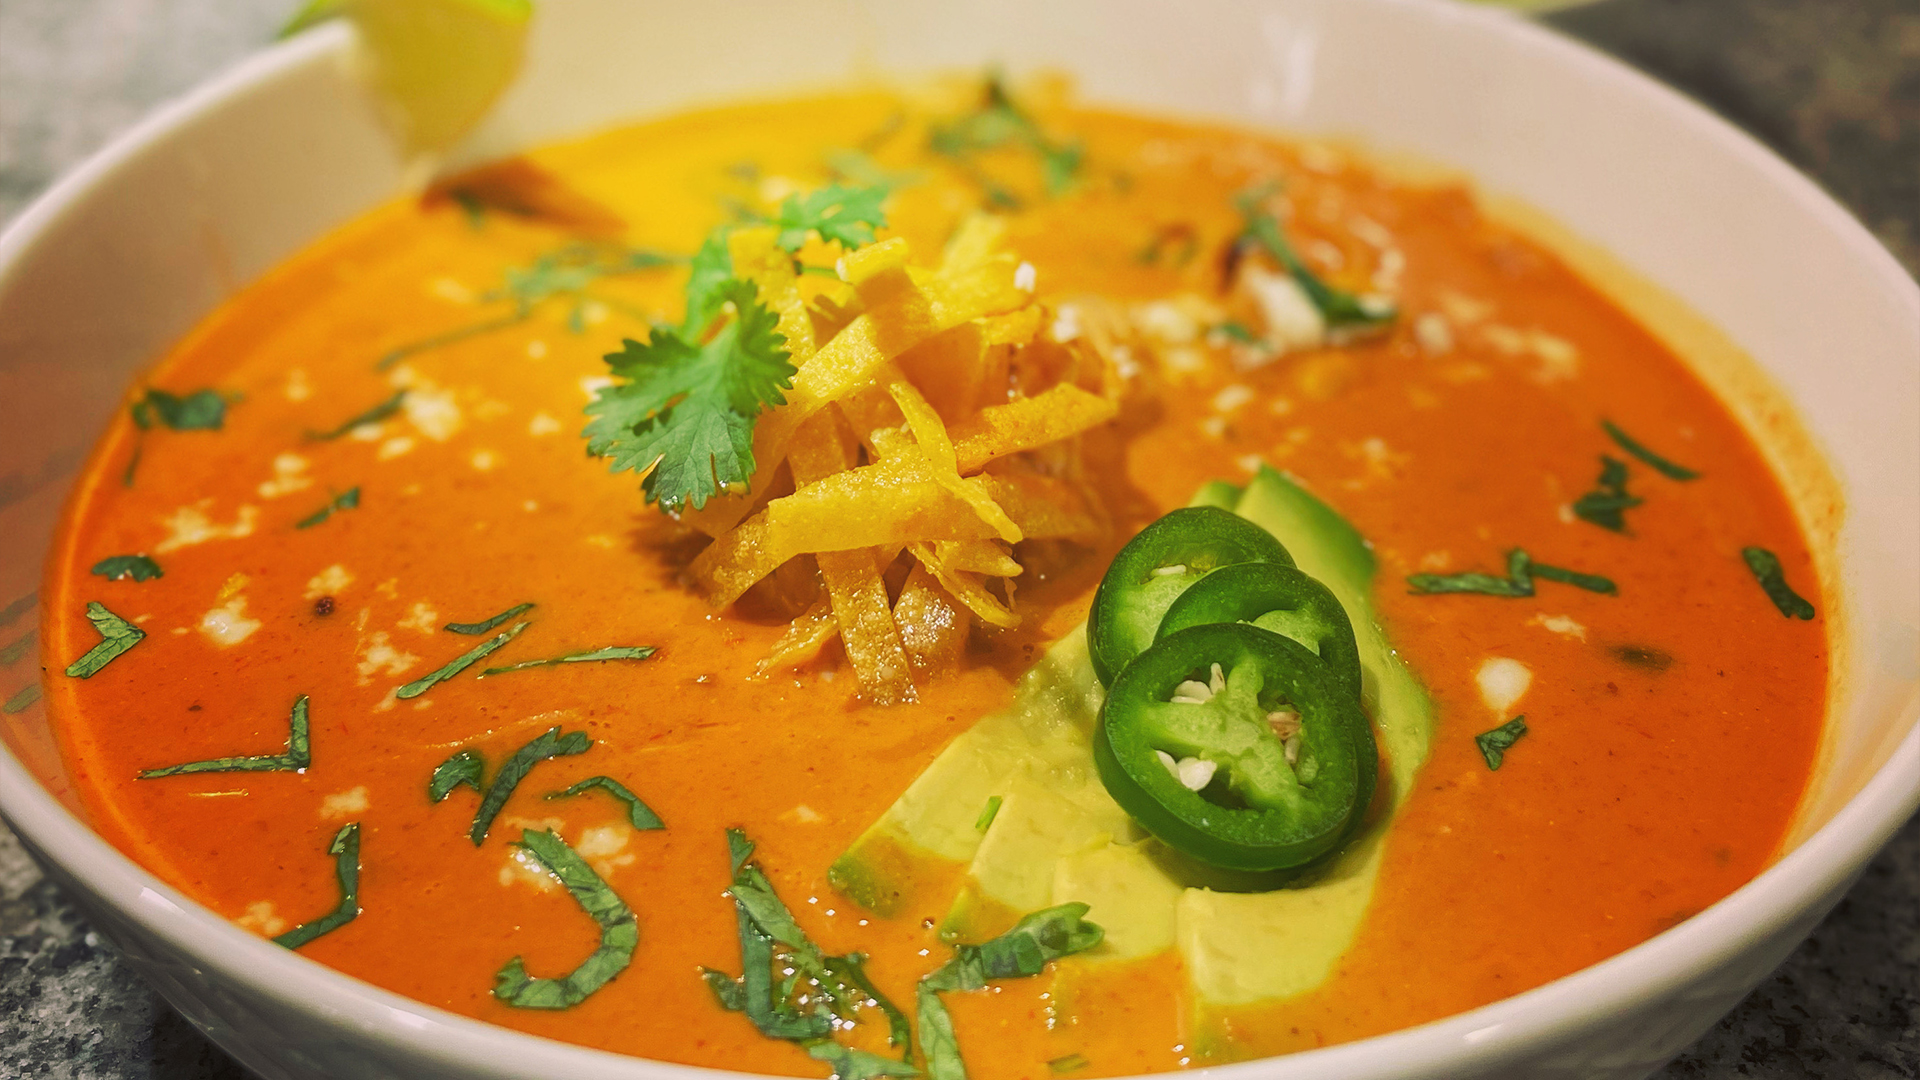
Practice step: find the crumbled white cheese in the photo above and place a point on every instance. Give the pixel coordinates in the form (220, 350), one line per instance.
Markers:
(804, 815)
(1165, 323)
(345, 804)
(423, 618)
(228, 625)
(1249, 462)
(190, 525)
(1288, 316)
(484, 460)
(1214, 427)
(1433, 333)
(523, 868)
(1560, 624)
(329, 582)
(432, 411)
(373, 432)
(262, 919)
(601, 841)
(1066, 323)
(377, 655)
(542, 424)
(288, 477)
(1502, 682)
(1025, 277)
(1464, 310)
(536, 350)
(1231, 397)
(394, 447)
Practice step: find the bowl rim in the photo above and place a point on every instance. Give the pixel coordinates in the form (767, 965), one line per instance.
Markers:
(1823, 863)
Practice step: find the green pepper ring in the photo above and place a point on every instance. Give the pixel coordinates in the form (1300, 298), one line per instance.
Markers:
(1334, 729)
(1244, 593)
(1132, 598)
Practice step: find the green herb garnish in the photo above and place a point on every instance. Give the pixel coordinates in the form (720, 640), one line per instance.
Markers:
(117, 635)
(475, 629)
(1521, 570)
(1337, 306)
(837, 213)
(683, 418)
(1183, 239)
(372, 416)
(1607, 504)
(345, 850)
(816, 989)
(459, 663)
(852, 1063)
(639, 814)
(1000, 122)
(1773, 579)
(297, 757)
(17, 649)
(22, 700)
(611, 652)
(202, 410)
(1643, 656)
(1659, 464)
(1032, 944)
(619, 933)
(992, 810)
(346, 500)
(1069, 1063)
(855, 166)
(551, 743)
(466, 768)
(1494, 744)
(137, 567)
(449, 337)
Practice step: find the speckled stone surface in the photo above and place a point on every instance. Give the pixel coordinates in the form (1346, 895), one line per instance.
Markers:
(1833, 85)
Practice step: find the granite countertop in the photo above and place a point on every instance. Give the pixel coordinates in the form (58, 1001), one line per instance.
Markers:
(1832, 85)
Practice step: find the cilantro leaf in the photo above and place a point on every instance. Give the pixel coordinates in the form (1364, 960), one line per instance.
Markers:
(137, 567)
(373, 415)
(1669, 469)
(1495, 744)
(297, 757)
(466, 768)
(639, 814)
(21, 701)
(551, 743)
(999, 122)
(346, 500)
(619, 932)
(1034, 942)
(117, 635)
(840, 214)
(460, 663)
(475, 629)
(1521, 570)
(683, 417)
(593, 656)
(202, 410)
(1607, 504)
(1773, 581)
(345, 850)
(711, 273)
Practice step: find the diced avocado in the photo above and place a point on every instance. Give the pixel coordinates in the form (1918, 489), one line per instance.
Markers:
(1217, 493)
(1130, 897)
(1013, 870)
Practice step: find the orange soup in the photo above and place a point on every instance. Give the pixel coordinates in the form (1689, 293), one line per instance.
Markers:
(778, 745)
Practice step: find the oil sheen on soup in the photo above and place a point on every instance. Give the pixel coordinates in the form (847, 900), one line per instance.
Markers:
(637, 593)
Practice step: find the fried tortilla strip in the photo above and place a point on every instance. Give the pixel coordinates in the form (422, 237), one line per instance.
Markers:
(758, 257)
(970, 589)
(804, 639)
(932, 627)
(930, 435)
(987, 557)
(891, 503)
(1026, 423)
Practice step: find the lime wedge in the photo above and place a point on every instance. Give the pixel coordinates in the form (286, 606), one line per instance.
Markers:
(435, 66)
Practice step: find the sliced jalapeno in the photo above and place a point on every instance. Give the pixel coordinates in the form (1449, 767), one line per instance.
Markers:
(1282, 599)
(1238, 747)
(1156, 567)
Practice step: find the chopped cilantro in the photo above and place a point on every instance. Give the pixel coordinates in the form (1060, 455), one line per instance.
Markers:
(1034, 942)
(841, 215)
(1180, 237)
(345, 850)
(1773, 580)
(22, 700)
(373, 415)
(1521, 570)
(1337, 306)
(568, 272)
(611, 652)
(683, 418)
(296, 758)
(1643, 656)
(852, 1063)
(1000, 122)
(551, 743)
(619, 932)
(466, 768)
(202, 410)
(117, 635)
(1606, 505)
(475, 629)
(459, 663)
(639, 814)
(818, 992)
(1069, 1063)
(1494, 744)
(346, 500)
(992, 810)
(137, 567)
(448, 337)
(1659, 464)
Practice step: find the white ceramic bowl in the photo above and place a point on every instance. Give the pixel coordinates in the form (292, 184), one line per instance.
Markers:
(127, 253)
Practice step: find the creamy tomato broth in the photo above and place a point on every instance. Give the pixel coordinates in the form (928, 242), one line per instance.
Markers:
(382, 438)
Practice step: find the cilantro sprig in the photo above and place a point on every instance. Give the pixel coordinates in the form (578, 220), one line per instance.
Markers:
(619, 932)
(1260, 230)
(345, 850)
